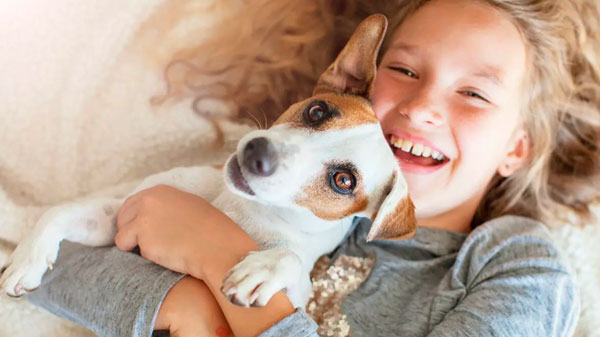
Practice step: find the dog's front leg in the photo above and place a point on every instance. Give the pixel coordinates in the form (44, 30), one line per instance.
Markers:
(254, 280)
(88, 222)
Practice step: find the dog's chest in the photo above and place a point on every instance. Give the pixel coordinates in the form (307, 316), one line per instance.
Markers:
(266, 229)
(271, 227)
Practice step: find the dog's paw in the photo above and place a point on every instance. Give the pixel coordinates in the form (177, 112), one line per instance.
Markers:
(27, 264)
(254, 280)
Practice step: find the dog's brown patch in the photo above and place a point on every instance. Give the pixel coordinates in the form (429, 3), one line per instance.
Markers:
(327, 204)
(351, 111)
(398, 224)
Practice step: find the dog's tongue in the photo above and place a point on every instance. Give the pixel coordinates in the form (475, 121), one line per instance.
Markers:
(416, 160)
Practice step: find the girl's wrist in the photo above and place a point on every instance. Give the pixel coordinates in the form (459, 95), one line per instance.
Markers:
(213, 267)
(246, 322)
(213, 271)
(226, 245)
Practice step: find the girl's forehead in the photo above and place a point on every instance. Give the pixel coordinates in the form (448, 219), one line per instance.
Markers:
(465, 36)
(458, 22)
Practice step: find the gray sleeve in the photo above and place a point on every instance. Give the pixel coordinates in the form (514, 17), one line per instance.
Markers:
(516, 285)
(108, 291)
(298, 324)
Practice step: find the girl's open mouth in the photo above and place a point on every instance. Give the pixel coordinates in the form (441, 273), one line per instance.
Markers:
(416, 157)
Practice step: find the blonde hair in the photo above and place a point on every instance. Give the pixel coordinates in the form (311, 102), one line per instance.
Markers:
(274, 53)
(562, 115)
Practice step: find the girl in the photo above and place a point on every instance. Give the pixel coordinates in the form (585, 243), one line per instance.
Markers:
(506, 92)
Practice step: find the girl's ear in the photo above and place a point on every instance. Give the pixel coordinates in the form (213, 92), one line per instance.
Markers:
(518, 152)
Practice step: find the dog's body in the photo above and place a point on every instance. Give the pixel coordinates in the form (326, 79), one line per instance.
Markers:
(294, 188)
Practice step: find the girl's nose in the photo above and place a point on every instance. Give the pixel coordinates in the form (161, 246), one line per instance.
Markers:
(423, 109)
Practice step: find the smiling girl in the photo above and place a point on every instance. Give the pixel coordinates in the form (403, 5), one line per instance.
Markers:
(492, 110)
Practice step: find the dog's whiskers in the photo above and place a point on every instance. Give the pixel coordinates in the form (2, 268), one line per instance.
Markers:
(265, 116)
(256, 121)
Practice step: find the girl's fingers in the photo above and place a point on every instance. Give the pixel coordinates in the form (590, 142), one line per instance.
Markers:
(130, 208)
(126, 238)
(128, 212)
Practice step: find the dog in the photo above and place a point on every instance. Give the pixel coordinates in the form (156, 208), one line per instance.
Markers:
(294, 188)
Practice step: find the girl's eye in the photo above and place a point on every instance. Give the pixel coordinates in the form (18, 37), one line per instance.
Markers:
(474, 95)
(405, 71)
(342, 181)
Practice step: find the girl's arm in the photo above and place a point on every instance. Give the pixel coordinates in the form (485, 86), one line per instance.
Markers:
(183, 232)
(119, 294)
(278, 318)
(112, 293)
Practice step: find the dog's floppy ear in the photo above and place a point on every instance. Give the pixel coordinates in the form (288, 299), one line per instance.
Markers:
(395, 218)
(353, 72)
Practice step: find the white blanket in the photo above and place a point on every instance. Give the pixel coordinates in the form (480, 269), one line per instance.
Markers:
(75, 119)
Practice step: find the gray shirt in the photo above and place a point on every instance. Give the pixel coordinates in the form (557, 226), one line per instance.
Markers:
(506, 278)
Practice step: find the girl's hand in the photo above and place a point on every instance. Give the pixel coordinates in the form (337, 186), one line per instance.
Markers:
(185, 233)
(180, 231)
(190, 309)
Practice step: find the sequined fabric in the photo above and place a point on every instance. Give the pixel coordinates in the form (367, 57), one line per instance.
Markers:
(331, 283)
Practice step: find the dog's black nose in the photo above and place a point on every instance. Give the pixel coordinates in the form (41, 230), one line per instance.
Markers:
(260, 157)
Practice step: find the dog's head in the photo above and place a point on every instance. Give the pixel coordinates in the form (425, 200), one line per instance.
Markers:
(327, 154)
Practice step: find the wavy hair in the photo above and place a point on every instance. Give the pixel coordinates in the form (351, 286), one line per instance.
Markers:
(270, 54)
(264, 56)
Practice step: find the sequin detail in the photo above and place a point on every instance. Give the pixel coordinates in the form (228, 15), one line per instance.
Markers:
(331, 283)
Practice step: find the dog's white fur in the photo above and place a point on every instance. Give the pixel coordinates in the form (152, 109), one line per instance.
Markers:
(291, 237)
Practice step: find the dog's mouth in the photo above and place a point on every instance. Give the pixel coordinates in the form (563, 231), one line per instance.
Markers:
(234, 172)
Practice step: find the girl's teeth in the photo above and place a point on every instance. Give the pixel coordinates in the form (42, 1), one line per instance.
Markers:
(426, 151)
(406, 145)
(416, 149)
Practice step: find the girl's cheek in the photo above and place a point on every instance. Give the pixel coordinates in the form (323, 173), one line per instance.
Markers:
(389, 95)
(379, 90)
(383, 102)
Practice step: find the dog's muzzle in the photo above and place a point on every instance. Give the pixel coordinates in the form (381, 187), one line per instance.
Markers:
(260, 157)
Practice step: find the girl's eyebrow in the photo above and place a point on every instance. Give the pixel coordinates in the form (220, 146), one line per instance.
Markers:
(490, 73)
(404, 46)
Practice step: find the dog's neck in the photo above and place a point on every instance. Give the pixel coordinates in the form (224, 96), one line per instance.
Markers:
(298, 219)
(275, 226)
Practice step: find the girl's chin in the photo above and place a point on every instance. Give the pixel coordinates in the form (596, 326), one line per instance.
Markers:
(423, 188)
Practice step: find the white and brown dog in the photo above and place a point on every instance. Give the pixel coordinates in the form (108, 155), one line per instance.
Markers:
(295, 187)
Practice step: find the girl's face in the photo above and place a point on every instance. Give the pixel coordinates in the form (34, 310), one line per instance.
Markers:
(449, 91)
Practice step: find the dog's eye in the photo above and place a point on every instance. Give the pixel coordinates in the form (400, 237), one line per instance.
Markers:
(342, 181)
(316, 113)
